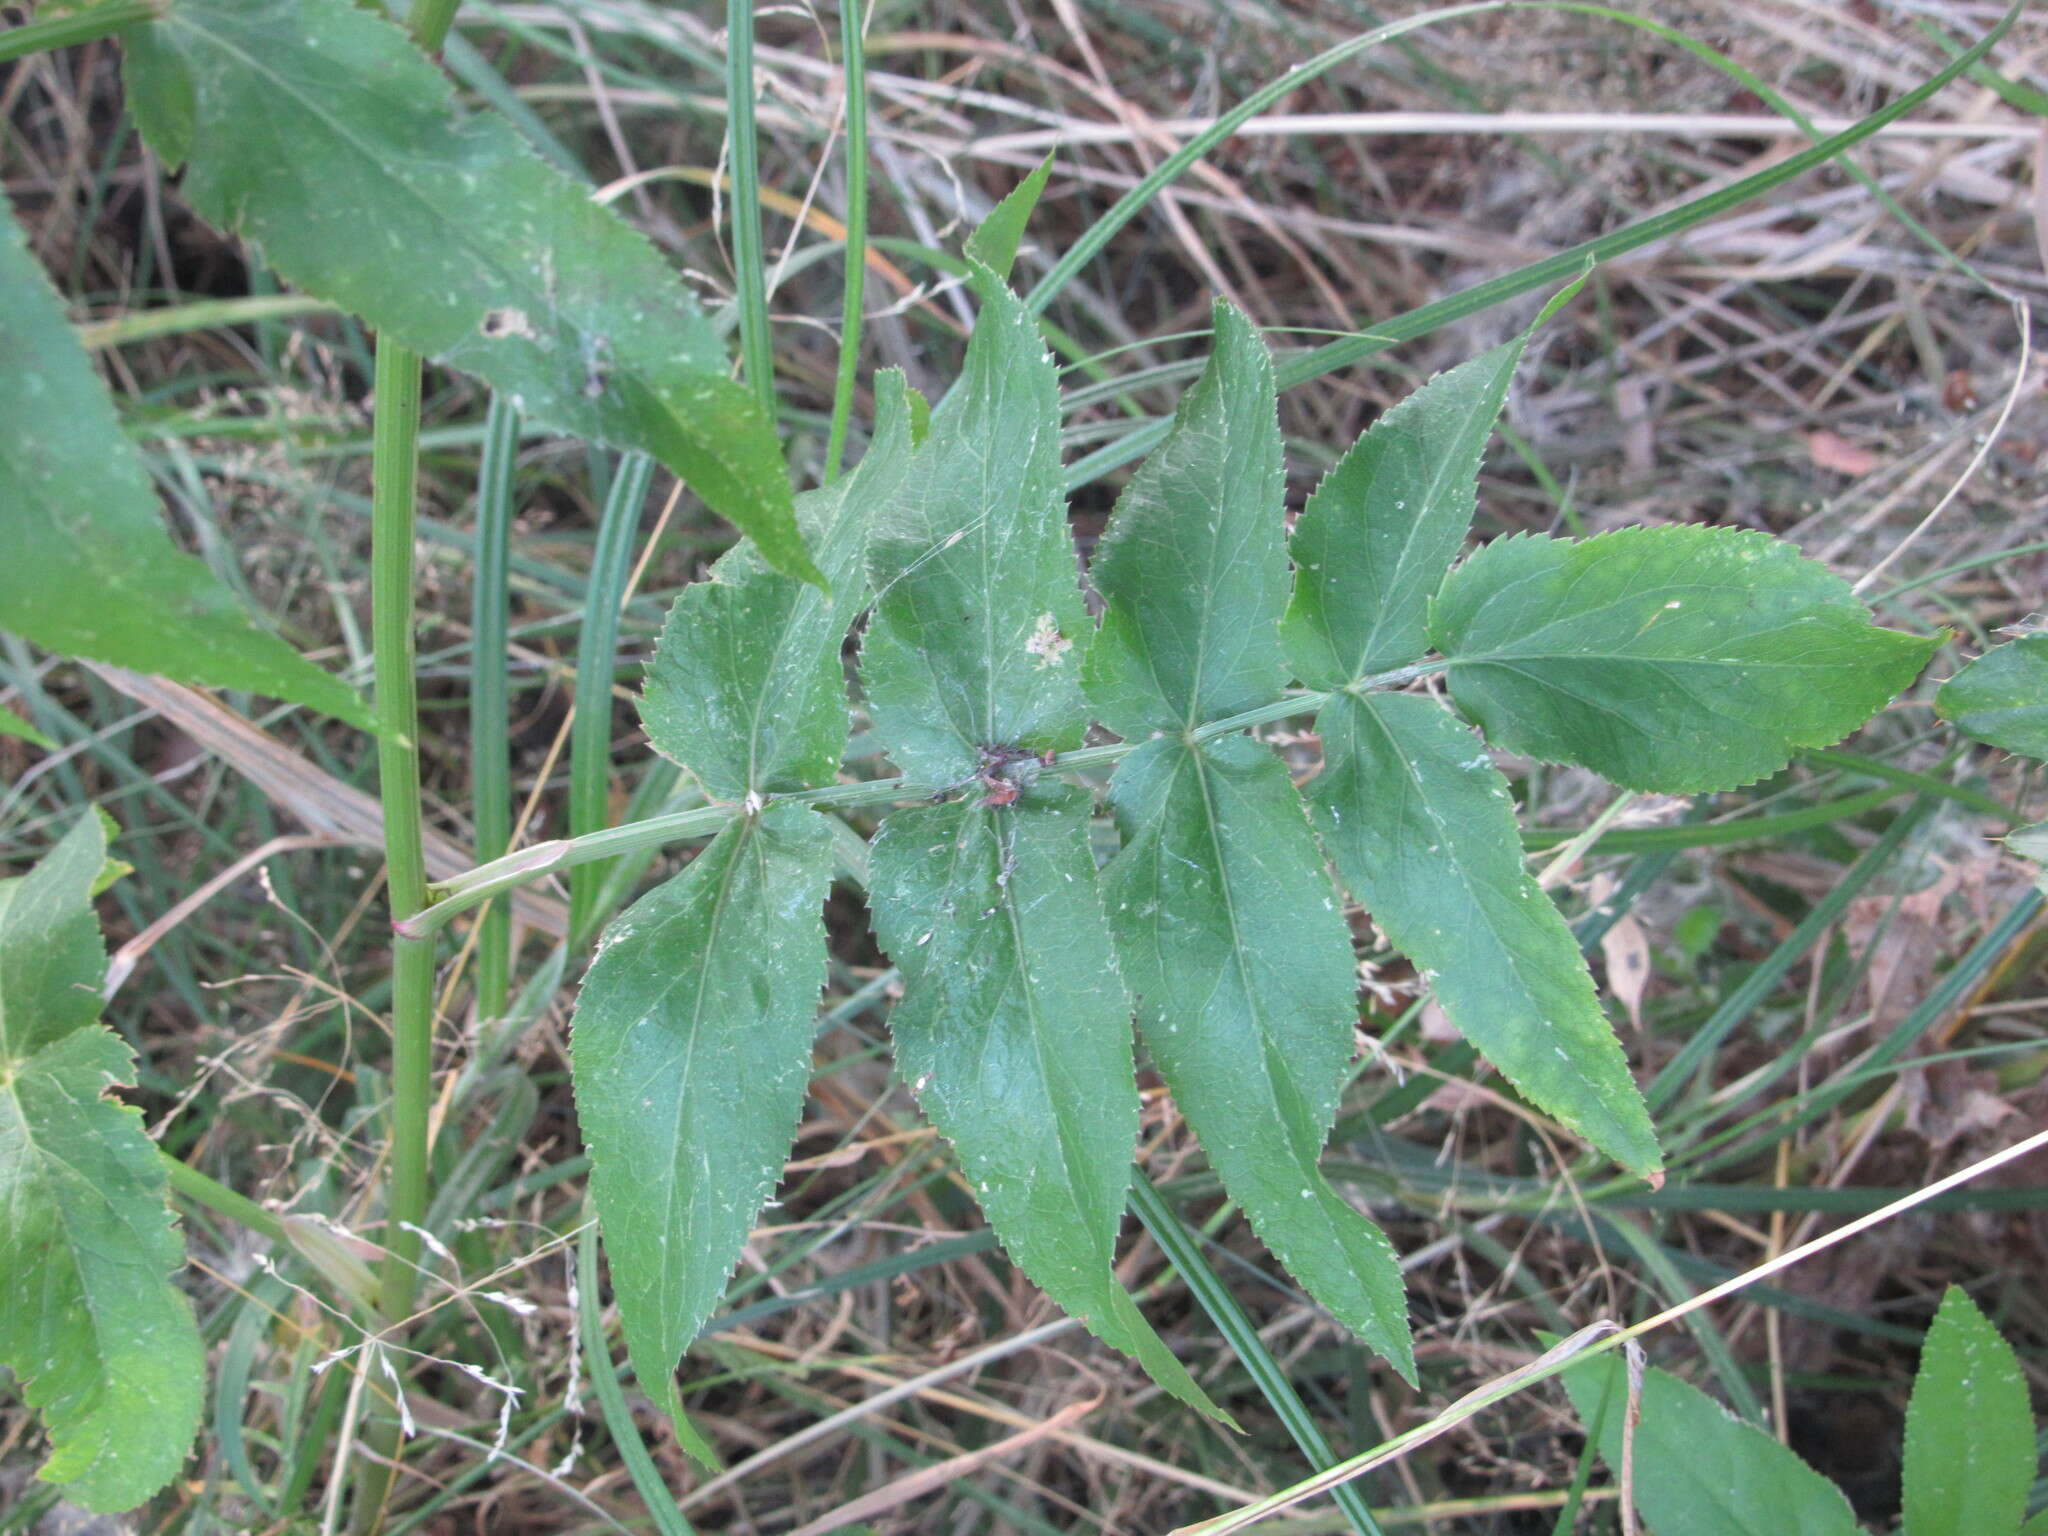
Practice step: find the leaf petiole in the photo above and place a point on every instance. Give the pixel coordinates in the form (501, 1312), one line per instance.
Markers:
(451, 897)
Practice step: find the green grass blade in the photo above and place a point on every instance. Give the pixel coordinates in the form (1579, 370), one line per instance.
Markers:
(597, 645)
(750, 276)
(853, 45)
(1745, 999)
(1208, 1288)
(1562, 267)
(490, 747)
(66, 28)
(611, 1399)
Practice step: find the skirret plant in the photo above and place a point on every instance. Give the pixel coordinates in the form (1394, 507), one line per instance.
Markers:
(1670, 659)
(1678, 659)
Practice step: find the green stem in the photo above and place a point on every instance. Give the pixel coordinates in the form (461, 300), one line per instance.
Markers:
(854, 47)
(460, 893)
(394, 474)
(429, 21)
(222, 1201)
(394, 471)
(85, 26)
(394, 529)
(750, 278)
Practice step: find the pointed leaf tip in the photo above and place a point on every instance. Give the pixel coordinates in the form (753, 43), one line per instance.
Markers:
(995, 241)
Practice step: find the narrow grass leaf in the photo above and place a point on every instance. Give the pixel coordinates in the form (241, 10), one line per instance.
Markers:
(1969, 1464)
(13, 725)
(1677, 659)
(1380, 530)
(1699, 1470)
(1192, 567)
(1237, 955)
(102, 1341)
(318, 131)
(2002, 697)
(978, 626)
(90, 570)
(1014, 1031)
(747, 689)
(1423, 831)
(692, 1049)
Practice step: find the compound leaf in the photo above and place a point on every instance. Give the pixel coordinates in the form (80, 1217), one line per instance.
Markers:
(104, 1344)
(1239, 960)
(318, 131)
(1192, 566)
(1699, 1470)
(2002, 697)
(1677, 659)
(1422, 829)
(90, 570)
(975, 640)
(1014, 1031)
(1969, 1463)
(747, 689)
(1381, 529)
(692, 1049)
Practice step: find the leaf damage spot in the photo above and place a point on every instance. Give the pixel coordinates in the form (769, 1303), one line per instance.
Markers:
(500, 323)
(1047, 643)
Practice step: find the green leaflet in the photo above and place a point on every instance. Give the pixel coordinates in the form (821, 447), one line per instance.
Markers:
(747, 689)
(1224, 918)
(2002, 697)
(1381, 529)
(1678, 659)
(1014, 1031)
(319, 132)
(1239, 960)
(103, 1343)
(994, 242)
(1969, 1430)
(1192, 565)
(1699, 1470)
(89, 570)
(2032, 843)
(1423, 831)
(691, 1053)
(978, 625)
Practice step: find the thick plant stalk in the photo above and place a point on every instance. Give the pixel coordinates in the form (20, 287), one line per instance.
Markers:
(393, 516)
(394, 473)
(393, 527)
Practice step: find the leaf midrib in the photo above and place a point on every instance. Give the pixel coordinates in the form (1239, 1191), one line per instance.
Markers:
(1271, 1063)
(311, 104)
(743, 840)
